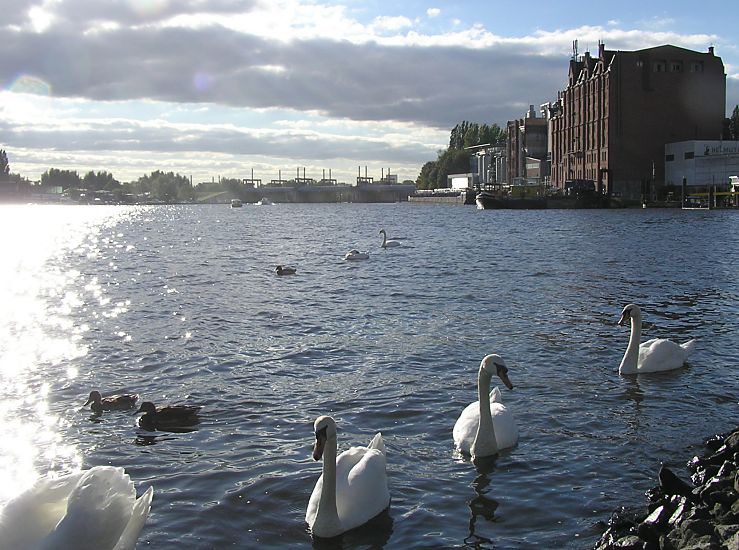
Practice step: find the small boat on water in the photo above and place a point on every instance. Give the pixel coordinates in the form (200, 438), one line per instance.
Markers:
(236, 203)
(264, 201)
(487, 200)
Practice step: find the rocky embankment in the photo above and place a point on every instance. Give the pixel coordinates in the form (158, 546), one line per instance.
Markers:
(703, 515)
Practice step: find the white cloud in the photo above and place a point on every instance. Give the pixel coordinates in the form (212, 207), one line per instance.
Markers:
(433, 12)
(391, 23)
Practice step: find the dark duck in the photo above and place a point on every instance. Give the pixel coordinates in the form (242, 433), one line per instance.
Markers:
(169, 417)
(122, 402)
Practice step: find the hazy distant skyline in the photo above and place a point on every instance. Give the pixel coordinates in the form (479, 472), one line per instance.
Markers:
(211, 88)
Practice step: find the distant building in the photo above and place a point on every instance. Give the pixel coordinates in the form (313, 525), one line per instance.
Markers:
(619, 110)
(701, 163)
(526, 142)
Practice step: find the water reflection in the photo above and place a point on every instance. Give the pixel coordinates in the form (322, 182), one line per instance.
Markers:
(481, 506)
(374, 534)
(40, 339)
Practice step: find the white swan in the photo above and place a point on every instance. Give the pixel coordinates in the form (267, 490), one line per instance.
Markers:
(487, 426)
(352, 488)
(356, 255)
(385, 242)
(93, 509)
(654, 355)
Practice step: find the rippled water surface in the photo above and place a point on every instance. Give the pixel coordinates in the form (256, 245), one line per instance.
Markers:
(181, 304)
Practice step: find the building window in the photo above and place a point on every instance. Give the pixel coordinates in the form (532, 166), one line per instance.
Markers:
(639, 64)
(659, 66)
(676, 66)
(689, 155)
(696, 66)
(669, 158)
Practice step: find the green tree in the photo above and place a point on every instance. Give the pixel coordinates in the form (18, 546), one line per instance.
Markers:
(66, 179)
(99, 181)
(734, 124)
(166, 187)
(4, 166)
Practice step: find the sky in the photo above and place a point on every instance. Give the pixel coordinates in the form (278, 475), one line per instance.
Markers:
(267, 88)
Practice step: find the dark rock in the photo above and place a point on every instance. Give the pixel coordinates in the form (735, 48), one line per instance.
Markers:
(672, 485)
(683, 517)
(629, 543)
(732, 441)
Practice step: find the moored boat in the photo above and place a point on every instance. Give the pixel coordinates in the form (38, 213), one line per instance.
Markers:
(487, 200)
(236, 203)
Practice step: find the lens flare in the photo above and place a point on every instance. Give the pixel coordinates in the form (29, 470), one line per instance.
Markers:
(28, 84)
(202, 81)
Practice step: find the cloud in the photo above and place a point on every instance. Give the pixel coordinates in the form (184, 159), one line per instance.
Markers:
(299, 60)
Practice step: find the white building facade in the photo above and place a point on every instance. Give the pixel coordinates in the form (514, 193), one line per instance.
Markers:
(701, 163)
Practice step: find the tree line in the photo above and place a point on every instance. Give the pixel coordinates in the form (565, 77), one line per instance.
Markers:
(456, 158)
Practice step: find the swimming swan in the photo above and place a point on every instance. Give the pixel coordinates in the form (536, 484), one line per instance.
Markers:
(352, 488)
(654, 355)
(385, 242)
(356, 255)
(93, 509)
(487, 426)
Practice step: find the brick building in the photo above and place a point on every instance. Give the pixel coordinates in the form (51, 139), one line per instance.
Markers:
(619, 110)
(526, 147)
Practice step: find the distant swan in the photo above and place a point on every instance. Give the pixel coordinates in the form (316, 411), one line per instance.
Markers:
(122, 402)
(356, 255)
(654, 355)
(352, 488)
(285, 270)
(487, 426)
(95, 508)
(385, 242)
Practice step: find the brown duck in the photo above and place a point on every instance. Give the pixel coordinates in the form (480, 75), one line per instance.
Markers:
(167, 417)
(121, 402)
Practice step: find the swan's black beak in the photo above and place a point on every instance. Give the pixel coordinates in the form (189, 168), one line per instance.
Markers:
(625, 316)
(320, 444)
(88, 402)
(502, 372)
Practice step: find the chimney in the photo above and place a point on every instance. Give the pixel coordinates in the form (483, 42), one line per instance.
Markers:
(710, 50)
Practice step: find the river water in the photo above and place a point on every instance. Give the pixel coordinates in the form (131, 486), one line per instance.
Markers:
(181, 305)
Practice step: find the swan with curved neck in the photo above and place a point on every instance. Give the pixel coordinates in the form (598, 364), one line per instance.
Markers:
(387, 243)
(353, 486)
(656, 355)
(487, 426)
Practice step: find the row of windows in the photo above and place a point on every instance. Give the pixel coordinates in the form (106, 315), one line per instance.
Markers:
(687, 156)
(663, 66)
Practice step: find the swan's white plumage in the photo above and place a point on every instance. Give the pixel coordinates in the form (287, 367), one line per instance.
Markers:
(656, 355)
(504, 423)
(388, 243)
(361, 487)
(93, 509)
(356, 255)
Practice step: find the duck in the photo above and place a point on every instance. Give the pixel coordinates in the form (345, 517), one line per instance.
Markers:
(356, 255)
(121, 402)
(487, 426)
(167, 417)
(388, 243)
(352, 488)
(94, 508)
(656, 355)
(285, 270)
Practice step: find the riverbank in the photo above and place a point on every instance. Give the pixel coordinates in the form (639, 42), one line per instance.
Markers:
(683, 516)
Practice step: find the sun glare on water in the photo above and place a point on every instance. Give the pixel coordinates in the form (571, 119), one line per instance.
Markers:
(40, 291)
